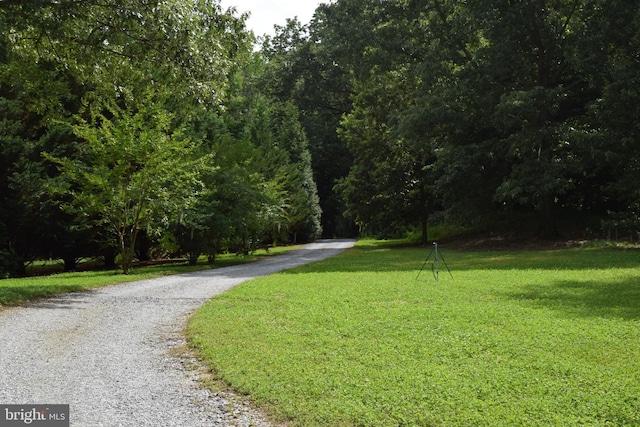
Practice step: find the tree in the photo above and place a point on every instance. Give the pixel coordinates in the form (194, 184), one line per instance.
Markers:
(285, 163)
(35, 96)
(303, 209)
(387, 189)
(137, 168)
(53, 54)
(495, 97)
(305, 65)
(614, 129)
(128, 44)
(541, 95)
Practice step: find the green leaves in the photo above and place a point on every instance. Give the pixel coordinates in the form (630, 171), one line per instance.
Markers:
(136, 74)
(495, 102)
(137, 168)
(126, 45)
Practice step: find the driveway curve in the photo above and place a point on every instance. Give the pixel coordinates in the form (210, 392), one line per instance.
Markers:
(107, 352)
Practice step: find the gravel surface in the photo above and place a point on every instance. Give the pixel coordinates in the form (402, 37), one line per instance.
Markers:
(108, 352)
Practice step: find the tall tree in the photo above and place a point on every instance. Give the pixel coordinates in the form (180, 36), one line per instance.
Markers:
(617, 130)
(286, 163)
(542, 94)
(304, 64)
(135, 166)
(501, 97)
(53, 54)
(36, 96)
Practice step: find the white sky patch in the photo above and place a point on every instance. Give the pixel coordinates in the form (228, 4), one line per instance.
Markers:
(267, 13)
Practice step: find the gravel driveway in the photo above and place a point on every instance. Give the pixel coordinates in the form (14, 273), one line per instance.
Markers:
(107, 353)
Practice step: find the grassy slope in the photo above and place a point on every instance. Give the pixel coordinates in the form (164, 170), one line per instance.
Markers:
(515, 338)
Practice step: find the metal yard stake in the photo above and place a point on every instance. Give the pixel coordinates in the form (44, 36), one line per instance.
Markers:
(435, 266)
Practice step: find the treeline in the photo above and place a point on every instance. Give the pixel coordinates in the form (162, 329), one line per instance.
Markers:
(139, 128)
(421, 111)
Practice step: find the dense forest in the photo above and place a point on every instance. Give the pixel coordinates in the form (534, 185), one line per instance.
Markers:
(134, 129)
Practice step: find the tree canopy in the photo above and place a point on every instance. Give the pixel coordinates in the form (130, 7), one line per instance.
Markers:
(459, 111)
(153, 127)
(131, 126)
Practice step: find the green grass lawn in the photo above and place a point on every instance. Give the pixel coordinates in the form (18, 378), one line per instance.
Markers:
(540, 338)
(19, 290)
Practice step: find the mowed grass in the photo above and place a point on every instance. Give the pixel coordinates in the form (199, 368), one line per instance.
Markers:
(19, 290)
(544, 338)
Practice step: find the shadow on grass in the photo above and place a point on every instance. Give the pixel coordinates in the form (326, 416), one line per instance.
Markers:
(385, 258)
(616, 299)
(564, 259)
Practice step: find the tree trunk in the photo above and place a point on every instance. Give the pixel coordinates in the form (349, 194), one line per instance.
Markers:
(70, 263)
(126, 254)
(192, 258)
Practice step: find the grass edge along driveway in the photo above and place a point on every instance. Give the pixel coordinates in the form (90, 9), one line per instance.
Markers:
(16, 291)
(538, 338)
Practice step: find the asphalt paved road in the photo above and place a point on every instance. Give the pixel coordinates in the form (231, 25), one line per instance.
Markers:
(107, 354)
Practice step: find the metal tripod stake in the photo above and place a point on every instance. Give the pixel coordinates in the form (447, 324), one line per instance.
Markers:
(435, 266)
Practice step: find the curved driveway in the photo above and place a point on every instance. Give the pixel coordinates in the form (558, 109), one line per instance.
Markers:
(107, 354)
